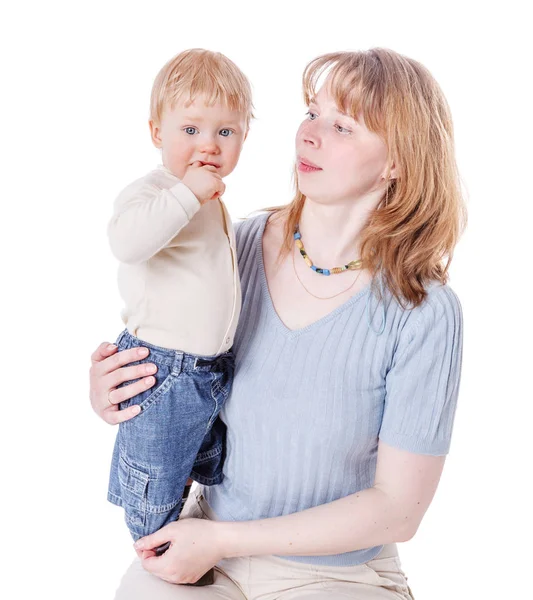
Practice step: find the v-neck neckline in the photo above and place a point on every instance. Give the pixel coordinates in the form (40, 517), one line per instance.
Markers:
(270, 304)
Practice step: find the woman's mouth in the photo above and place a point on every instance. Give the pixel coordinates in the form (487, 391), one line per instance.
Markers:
(306, 167)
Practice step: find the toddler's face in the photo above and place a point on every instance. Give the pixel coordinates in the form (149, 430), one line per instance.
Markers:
(197, 132)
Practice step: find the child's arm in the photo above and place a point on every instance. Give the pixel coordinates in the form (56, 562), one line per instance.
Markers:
(147, 217)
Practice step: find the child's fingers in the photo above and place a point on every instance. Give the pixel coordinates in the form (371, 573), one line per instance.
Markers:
(217, 195)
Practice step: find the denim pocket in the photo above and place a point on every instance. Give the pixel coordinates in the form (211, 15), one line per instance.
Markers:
(163, 382)
(221, 384)
(133, 486)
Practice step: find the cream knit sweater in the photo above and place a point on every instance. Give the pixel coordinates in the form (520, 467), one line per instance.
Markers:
(178, 270)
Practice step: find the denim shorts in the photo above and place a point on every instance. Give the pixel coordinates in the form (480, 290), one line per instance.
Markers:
(177, 435)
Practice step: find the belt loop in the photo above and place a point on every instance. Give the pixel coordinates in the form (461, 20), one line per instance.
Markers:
(178, 363)
(121, 336)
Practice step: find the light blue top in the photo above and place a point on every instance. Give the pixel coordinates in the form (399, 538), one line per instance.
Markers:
(308, 406)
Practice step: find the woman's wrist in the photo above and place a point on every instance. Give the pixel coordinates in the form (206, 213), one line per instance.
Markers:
(231, 539)
(252, 538)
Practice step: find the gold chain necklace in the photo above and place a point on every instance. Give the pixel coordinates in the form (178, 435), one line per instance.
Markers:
(321, 297)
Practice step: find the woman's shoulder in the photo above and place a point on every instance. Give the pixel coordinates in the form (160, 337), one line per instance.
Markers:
(440, 309)
(440, 298)
(247, 230)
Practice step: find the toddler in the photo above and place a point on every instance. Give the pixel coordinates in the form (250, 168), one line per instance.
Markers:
(179, 280)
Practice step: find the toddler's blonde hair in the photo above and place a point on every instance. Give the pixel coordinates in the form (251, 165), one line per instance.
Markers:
(195, 72)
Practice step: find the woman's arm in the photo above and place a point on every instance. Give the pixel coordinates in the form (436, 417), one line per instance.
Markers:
(390, 511)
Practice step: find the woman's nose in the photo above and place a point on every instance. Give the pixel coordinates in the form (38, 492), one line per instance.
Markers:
(309, 134)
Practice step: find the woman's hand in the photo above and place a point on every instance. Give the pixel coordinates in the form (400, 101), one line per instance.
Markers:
(107, 372)
(194, 549)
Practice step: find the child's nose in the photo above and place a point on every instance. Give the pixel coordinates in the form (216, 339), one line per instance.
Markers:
(209, 146)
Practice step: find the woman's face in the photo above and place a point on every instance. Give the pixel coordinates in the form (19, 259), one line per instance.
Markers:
(338, 158)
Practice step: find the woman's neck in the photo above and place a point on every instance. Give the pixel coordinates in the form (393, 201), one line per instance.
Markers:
(331, 233)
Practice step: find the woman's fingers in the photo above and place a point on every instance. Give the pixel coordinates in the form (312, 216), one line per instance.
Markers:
(116, 396)
(113, 415)
(107, 372)
(104, 350)
(119, 359)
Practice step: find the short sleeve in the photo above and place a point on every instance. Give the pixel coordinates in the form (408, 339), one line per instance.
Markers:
(247, 231)
(422, 384)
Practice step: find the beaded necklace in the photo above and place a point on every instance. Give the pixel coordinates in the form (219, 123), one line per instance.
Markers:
(351, 266)
(322, 297)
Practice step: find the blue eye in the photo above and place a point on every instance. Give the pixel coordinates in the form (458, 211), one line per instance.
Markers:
(226, 132)
(311, 115)
(190, 130)
(341, 129)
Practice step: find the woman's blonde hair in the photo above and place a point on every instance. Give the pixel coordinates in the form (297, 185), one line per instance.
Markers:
(197, 71)
(411, 235)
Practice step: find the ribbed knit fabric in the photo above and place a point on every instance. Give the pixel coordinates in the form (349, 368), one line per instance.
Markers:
(308, 406)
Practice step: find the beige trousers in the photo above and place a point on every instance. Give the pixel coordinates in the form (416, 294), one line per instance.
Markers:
(272, 578)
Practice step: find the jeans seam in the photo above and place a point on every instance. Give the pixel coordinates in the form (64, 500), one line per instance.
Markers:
(215, 409)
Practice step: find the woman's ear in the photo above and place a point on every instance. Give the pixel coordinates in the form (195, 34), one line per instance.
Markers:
(389, 175)
(155, 133)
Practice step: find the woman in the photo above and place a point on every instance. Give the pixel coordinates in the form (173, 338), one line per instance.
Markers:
(348, 355)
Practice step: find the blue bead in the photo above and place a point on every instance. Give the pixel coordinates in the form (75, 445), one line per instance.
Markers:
(325, 271)
(313, 267)
(297, 236)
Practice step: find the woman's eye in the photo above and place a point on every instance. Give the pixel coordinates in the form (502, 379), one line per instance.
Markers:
(226, 132)
(341, 129)
(190, 130)
(311, 115)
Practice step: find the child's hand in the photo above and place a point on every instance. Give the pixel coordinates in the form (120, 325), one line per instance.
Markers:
(204, 182)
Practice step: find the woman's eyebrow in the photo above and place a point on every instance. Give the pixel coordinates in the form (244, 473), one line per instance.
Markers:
(314, 101)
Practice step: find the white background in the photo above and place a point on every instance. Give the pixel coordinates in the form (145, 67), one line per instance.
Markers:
(76, 79)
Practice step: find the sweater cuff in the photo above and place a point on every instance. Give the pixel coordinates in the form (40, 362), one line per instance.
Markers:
(188, 201)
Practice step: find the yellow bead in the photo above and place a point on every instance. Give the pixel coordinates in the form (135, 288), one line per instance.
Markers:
(308, 261)
(336, 270)
(299, 244)
(354, 264)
